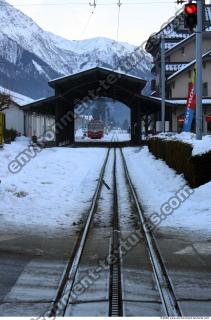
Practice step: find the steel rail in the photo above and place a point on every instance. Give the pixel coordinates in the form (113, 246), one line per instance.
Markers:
(168, 298)
(66, 285)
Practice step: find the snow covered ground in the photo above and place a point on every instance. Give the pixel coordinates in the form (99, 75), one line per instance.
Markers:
(54, 189)
(156, 183)
(51, 191)
(199, 146)
(122, 136)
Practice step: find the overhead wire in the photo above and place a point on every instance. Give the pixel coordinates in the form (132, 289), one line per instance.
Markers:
(117, 34)
(147, 2)
(94, 5)
(118, 19)
(85, 3)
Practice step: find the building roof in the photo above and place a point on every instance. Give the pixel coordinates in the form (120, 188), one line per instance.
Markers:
(187, 67)
(94, 76)
(17, 98)
(183, 102)
(180, 44)
(84, 87)
(174, 67)
(44, 105)
(205, 101)
(88, 71)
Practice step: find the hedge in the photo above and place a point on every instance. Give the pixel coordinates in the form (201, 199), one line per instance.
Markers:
(178, 155)
(10, 135)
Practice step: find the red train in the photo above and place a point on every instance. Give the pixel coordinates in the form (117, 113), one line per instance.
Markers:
(95, 129)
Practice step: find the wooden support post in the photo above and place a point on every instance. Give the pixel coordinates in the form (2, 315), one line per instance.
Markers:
(136, 125)
(64, 118)
(139, 126)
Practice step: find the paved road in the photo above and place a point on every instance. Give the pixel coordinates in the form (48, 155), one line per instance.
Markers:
(31, 267)
(30, 270)
(187, 256)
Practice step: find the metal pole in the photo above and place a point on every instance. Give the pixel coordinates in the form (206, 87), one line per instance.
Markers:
(163, 84)
(199, 71)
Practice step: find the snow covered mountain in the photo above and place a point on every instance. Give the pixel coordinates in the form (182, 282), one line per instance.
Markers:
(30, 56)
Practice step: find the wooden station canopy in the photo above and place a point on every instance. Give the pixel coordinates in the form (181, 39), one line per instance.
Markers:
(80, 89)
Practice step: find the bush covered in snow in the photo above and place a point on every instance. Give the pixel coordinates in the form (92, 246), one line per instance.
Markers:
(178, 154)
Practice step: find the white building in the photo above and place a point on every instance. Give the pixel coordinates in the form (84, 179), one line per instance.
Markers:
(14, 115)
(28, 124)
(38, 124)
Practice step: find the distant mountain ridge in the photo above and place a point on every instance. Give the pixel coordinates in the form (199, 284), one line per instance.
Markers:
(30, 56)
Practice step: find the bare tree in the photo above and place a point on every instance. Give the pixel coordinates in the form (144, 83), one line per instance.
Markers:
(5, 100)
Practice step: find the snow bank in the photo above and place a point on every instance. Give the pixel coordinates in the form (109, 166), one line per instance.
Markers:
(23, 139)
(52, 191)
(79, 133)
(156, 183)
(199, 146)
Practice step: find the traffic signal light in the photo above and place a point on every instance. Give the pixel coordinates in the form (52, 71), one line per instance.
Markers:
(191, 16)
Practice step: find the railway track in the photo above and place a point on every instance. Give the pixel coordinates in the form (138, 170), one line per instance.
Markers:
(163, 283)
(117, 298)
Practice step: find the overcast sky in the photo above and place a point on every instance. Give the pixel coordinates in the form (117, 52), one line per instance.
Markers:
(69, 18)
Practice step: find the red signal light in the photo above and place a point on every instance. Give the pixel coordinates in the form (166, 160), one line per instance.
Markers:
(191, 8)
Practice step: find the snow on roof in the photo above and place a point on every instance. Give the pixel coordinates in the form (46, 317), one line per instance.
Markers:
(169, 45)
(175, 67)
(178, 44)
(187, 66)
(103, 68)
(182, 101)
(18, 98)
(175, 35)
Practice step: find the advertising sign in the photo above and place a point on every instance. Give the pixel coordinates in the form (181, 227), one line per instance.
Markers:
(191, 103)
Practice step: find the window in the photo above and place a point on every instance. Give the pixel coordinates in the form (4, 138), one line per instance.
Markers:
(204, 65)
(182, 50)
(205, 89)
(189, 74)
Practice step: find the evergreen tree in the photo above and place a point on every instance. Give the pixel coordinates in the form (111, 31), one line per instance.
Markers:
(99, 112)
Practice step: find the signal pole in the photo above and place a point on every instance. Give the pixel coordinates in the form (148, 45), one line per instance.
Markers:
(199, 70)
(163, 84)
(94, 4)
